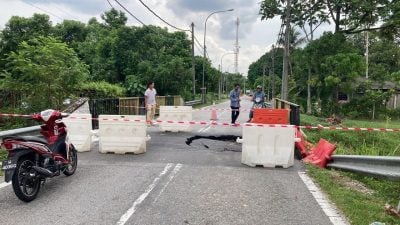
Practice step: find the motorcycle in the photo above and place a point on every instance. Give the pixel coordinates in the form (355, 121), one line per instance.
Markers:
(32, 159)
(258, 103)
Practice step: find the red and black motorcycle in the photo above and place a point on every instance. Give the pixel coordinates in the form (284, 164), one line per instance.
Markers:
(32, 159)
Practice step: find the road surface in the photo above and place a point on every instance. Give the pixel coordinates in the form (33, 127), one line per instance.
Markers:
(171, 183)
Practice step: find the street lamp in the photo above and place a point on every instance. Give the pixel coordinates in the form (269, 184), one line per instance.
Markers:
(203, 88)
(220, 79)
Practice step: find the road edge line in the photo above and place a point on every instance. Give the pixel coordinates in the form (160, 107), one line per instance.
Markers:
(329, 209)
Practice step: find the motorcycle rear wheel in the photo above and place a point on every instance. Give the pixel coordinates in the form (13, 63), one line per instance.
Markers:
(73, 158)
(25, 182)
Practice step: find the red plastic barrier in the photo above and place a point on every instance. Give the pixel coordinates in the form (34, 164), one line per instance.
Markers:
(321, 154)
(303, 145)
(271, 116)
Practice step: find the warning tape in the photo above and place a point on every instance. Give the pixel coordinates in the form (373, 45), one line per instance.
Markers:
(202, 109)
(215, 123)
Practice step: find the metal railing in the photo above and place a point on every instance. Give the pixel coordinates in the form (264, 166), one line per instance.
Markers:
(387, 167)
(192, 103)
(294, 110)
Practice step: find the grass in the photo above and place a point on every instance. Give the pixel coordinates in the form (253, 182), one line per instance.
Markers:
(357, 142)
(359, 207)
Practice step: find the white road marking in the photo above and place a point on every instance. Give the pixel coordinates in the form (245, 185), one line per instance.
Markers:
(206, 129)
(171, 176)
(124, 218)
(4, 184)
(330, 211)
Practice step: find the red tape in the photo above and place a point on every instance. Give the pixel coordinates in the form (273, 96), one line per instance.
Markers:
(214, 123)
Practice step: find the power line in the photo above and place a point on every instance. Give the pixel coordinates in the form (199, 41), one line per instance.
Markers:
(129, 12)
(147, 7)
(110, 4)
(63, 11)
(42, 10)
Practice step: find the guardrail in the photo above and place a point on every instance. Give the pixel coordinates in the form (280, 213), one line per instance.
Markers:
(20, 131)
(192, 103)
(387, 167)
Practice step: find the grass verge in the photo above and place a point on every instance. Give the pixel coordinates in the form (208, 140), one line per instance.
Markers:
(357, 142)
(361, 199)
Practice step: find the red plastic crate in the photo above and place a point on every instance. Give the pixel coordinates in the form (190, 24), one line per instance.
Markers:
(271, 116)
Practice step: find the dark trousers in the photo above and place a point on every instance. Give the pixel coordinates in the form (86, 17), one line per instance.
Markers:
(235, 113)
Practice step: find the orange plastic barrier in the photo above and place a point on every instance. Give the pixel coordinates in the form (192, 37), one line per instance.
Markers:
(303, 145)
(271, 116)
(321, 154)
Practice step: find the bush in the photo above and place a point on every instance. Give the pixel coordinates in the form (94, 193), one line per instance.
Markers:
(101, 89)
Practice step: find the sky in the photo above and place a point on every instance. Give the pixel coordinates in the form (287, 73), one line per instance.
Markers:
(255, 36)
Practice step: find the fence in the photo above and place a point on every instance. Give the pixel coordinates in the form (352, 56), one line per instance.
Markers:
(127, 106)
(294, 110)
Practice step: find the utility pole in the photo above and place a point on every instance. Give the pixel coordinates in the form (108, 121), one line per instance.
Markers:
(237, 46)
(263, 89)
(193, 64)
(285, 75)
(273, 72)
(367, 53)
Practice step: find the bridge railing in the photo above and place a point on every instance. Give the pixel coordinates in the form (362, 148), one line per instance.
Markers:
(294, 110)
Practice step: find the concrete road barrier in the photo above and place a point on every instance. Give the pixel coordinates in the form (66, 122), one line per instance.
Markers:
(268, 146)
(79, 131)
(120, 134)
(175, 113)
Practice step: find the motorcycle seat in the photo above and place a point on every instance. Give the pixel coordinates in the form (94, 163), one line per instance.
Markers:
(28, 138)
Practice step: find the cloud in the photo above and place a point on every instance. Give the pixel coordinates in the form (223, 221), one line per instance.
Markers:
(83, 6)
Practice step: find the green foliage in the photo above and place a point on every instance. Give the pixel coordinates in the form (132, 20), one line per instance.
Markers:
(354, 142)
(45, 71)
(133, 86)
(101, 89)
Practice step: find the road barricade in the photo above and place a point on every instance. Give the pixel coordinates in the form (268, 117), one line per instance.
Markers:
(268, 146)
(121, 134)
(271, 116)
(321, 154)
(79, 131)
(175, 113)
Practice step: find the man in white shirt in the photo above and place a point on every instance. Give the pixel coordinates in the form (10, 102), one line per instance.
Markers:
(150, 102)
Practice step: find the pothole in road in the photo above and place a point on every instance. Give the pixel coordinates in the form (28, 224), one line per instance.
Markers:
(222, 143)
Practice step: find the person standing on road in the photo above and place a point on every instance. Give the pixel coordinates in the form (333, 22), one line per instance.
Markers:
(150, 102)
(234, 96)
(258, 100)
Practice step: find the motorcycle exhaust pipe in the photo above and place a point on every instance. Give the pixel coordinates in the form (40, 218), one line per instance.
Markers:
(44, 172)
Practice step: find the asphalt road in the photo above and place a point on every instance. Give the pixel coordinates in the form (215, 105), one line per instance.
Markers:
(171, 183)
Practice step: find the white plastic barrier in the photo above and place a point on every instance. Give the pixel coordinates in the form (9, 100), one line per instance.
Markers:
(175, 113)
(120, 136)
(268, 146)
(79, 131)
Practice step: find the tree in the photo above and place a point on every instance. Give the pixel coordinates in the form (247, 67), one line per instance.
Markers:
(20, 29)
(348, 16)
(114, 18)
(45, 71)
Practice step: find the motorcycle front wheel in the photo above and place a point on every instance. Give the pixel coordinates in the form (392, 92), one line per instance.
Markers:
(25, 182)
(73, 158)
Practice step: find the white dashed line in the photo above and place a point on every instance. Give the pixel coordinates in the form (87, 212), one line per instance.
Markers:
(330, 211)
(124, 218)
(171, 176)
(4, 184)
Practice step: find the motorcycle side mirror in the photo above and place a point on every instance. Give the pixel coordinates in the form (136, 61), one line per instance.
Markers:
(63, 115)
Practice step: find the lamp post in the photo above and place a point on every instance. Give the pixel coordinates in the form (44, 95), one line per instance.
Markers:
(203, 88)
(220, 79)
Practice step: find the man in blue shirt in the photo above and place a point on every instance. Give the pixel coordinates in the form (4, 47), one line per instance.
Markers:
(258, 99)
(234, 96)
